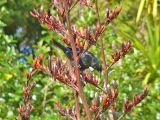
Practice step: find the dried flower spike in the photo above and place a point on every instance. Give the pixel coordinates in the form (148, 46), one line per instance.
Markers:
(110, 15)
(52, 23)
(65, 112)
(116, 56)
(95, 105)
(126, 47)
(61, 73)
(25, 111)
(138, 98)
(121, 53)
(89, 78)
(128, 105)
(106, 102)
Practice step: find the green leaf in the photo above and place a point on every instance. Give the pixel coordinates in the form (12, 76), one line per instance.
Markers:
(140, 10)
(145, 81)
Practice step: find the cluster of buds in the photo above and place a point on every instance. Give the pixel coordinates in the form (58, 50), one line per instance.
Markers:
(92, 38)
(115, 90)
(52, 23)
(128, 105)
(37, 65)
(57, 26)
(27, 91)
(95, 105)
(89, 78)
(65, 112)
(57, 70)
(106, 102)
(62, 74)
(26, 108)
(38, 62)
(24, 111)
(110, 15)
(121, 53)
(125, 48)
(110, 97)
(84, 34)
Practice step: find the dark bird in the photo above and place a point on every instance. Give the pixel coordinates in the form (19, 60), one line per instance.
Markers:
(86, 60)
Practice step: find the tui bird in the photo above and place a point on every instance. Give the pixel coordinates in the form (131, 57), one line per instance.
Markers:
(86, 60)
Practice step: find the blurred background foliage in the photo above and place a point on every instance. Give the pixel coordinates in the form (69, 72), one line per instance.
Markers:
(22, 38)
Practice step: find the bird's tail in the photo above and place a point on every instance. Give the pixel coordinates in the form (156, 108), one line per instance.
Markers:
(59, 45)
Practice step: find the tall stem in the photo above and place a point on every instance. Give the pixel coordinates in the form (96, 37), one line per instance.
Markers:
(102, 49)
(77, 105)
(104, 62)
(76, 61)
